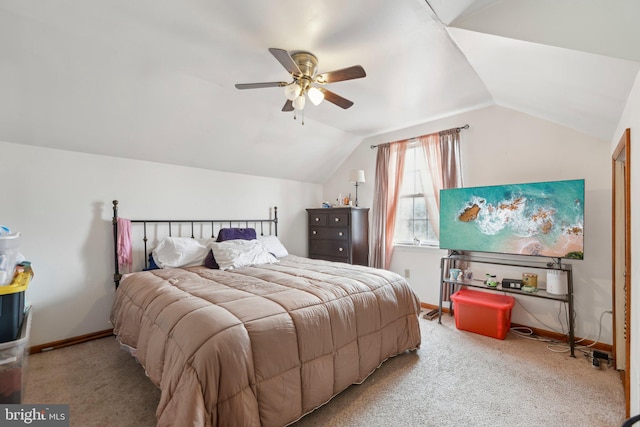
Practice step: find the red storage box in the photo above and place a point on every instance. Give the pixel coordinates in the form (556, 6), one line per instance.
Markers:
(482, 312)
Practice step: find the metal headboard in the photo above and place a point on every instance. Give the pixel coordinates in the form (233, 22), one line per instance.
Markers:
(262, 226)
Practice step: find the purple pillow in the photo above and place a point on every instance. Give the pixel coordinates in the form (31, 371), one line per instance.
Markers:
(210, 261)
(236, 234)
(229, 234)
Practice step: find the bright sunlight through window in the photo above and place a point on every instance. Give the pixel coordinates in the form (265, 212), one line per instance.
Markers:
(412, 219)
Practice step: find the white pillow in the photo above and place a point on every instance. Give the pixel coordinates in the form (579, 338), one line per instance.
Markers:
(239, 253)
(181, 252)
(273, 245)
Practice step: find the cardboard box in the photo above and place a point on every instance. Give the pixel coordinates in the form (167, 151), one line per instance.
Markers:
(484, 313)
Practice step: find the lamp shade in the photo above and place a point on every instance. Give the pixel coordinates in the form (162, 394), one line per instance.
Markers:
(292, 91)
(298, 103)
(356, 175)
(315, 95)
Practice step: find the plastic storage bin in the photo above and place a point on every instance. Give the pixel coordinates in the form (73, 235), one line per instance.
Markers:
(11, 315)
(12, 305)
(13, 364)
(482, 312)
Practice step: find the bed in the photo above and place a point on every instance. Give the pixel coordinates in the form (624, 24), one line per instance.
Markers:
(257, 344)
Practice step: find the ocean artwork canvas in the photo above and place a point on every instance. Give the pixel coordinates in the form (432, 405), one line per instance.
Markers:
(540, 219)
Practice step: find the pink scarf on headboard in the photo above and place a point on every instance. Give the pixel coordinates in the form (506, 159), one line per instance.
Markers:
(125, 258)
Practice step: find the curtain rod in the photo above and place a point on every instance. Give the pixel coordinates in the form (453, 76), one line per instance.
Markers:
(414, 137)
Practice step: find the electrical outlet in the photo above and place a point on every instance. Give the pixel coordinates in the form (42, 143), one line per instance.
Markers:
(407, 273)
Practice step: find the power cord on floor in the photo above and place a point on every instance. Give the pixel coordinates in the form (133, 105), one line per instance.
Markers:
(551, 328)
(555, 345)
(561, 347)
(526, 332)
(599, 328)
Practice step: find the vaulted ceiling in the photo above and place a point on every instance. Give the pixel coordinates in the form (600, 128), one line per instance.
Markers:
(154, 80)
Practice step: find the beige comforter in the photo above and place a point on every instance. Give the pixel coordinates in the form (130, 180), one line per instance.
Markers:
(261, 346)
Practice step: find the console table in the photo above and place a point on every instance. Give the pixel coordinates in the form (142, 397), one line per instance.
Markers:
(456, 260)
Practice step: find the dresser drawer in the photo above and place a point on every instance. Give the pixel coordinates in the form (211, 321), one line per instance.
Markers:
(333, 233)
(318, 219)
(332, 248)
(338, 220)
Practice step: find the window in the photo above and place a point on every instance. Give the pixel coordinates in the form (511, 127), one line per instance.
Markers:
(412, 218)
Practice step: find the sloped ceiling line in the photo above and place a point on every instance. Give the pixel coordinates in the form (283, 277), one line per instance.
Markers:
(142, 81)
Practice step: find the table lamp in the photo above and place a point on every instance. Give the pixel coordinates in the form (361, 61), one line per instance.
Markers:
(357, 177)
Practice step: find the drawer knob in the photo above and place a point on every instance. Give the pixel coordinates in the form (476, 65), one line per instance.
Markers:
(336, 219)
(340, 233)
(340, 249)
(317, 219)
(314, 232)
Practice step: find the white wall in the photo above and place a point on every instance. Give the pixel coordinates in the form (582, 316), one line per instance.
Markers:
(504, 146)
(631, 119)
(61, 203)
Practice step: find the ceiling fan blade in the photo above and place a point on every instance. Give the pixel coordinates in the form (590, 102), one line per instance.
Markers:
(335, 99)
(285, 59)
(350, 73)
(288, 106)
(259, 85)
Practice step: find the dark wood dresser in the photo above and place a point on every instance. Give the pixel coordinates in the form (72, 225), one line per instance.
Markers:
(339, 234)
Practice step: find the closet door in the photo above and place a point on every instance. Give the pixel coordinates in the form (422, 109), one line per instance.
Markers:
(621, 262)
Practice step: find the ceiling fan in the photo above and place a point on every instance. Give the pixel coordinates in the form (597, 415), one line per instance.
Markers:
(303, 68)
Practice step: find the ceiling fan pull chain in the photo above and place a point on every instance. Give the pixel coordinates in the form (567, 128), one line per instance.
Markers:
(302, 117)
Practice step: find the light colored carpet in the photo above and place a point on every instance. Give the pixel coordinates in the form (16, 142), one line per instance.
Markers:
(457, 378)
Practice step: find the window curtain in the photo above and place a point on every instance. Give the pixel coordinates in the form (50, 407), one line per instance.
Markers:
(442, 153)
(389, 170)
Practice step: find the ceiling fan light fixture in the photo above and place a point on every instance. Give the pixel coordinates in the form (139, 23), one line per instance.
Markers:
(299, 102)
(302, 67)
(292, 91)
(315, 95)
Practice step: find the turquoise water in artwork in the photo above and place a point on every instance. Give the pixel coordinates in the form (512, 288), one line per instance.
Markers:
(544, 219)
